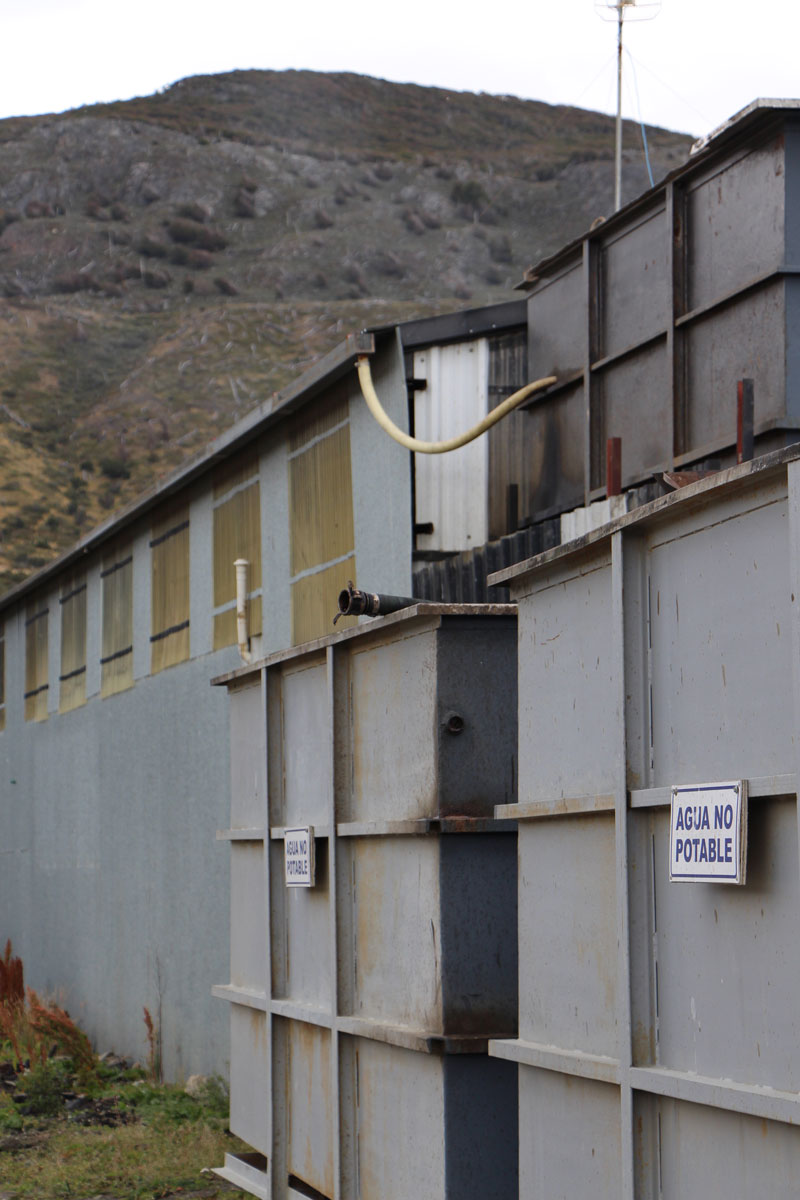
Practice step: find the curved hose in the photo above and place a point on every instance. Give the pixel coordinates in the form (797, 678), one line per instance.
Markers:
(420, 447)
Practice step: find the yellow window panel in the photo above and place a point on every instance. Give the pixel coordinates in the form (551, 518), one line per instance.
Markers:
(116, 657)
(321, 502)
(233, 475)
(315, 602)
(237, 534)
(225, 631)
(169, 639)
(36, 662)
(319, 418)
(72, 680)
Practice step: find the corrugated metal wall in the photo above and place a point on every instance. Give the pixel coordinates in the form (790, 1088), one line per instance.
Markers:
(451, 489)
(461, 578)
(511, 452)
(322, 542)
(116, 661)
(72, 678)
(237, 535)
(170, 601)
(37, 617)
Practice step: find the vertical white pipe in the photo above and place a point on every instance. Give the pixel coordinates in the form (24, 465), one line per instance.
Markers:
(242, 632)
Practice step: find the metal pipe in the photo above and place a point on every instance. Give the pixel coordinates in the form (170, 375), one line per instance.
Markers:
(355, 603)
(242, 631)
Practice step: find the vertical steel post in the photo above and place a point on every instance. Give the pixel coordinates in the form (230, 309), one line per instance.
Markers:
(624, 1026)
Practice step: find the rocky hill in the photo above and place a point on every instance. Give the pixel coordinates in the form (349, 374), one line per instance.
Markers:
(167, 261)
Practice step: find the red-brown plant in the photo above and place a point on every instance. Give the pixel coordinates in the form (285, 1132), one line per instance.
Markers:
(12, 988)
(33, 1026)
(153, 1046)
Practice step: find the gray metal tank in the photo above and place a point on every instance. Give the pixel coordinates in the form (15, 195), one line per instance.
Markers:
(361, 1006)
(651, 318)
(658, 1049)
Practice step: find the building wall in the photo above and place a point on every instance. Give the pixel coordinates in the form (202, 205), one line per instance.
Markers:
(113, 887)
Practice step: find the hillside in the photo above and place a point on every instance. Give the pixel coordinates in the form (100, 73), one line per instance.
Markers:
(167, 261)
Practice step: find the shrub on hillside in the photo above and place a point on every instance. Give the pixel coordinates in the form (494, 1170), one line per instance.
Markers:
(193, 233)
(194, 212)
(191, 256)
(7, 217)
(500, 249)
(38, 208)
(152, 247)
(156, 279)
(77, 281)
(244, 205)
(226, 287)
(199, 260)
(114, 467)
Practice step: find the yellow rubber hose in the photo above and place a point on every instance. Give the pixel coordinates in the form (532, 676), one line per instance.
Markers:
(420, 447)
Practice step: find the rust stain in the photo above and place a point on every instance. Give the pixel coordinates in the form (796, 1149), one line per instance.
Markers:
(644, 1044)
(634, 779)
(258, 1029)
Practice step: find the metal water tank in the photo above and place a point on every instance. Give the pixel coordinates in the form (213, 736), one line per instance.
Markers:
(373, 911)
(658, 1050)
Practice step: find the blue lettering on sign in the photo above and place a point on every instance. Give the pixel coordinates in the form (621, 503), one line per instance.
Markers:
(694, 817)
(704, 850)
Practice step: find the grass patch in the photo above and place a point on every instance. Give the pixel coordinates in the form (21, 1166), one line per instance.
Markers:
(75, 1125)
(130, 1162)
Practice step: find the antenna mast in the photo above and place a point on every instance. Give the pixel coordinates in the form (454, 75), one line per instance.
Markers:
(622, 9)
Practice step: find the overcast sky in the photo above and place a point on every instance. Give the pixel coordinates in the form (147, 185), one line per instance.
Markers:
(693, 64)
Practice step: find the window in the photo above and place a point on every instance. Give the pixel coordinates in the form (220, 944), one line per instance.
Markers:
(237, 534)
(2, 676)
(36, 665)
(116, 654)
(72, 680)
(320, 516)
(169, 639)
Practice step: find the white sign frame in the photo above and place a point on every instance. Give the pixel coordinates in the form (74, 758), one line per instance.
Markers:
(299, 865)
(708, 833)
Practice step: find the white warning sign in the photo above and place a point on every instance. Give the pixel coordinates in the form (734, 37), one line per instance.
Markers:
(298, 850)
(708, 833)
